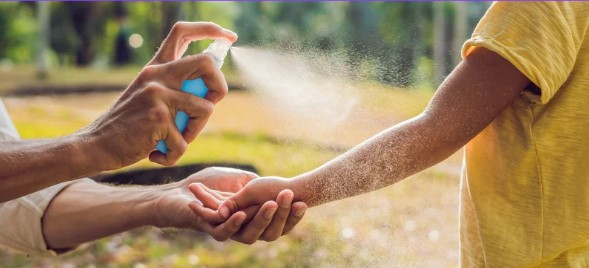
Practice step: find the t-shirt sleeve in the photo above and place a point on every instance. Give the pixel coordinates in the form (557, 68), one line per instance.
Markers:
(21, 221)
(541, 39)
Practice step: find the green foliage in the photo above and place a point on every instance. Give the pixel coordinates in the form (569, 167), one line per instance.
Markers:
(17, 32)
(391, 39)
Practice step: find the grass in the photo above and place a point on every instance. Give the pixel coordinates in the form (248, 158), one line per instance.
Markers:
(411, 224)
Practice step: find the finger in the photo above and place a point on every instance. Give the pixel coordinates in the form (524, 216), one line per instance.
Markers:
(226, 195)
(207, 214)
(251, 232)
(239, 200)
(205, 197)
(198, 110)
(274, 230)
(229, 228)
(176, 148)
(196, 66)
(251, 213)
(296, 215)
(214, 193)
(182, 33)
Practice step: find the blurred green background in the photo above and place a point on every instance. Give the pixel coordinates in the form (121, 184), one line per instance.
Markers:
(410, 47)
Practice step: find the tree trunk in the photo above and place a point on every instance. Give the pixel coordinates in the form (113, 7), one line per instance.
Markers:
(42, 39)
(171, 13)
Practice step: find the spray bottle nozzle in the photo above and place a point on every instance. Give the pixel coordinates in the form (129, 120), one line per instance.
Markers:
(219, 49)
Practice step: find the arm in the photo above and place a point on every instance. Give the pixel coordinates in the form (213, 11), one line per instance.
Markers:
(129, 130)
(86, 211)
(27, 166)
(474, 94)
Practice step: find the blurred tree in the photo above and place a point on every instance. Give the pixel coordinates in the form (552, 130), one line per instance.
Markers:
(460, 30)
(249, 20)
(18, 30)
(171, 13)
(361, 24)
(87, 19)
(395, 43)
(122, 51)
(401, 30)
(43, 32)
(439, 43)
(78, 29)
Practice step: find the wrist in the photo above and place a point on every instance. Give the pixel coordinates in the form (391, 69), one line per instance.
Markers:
(82, 152)
(303, 192)
(92, 152)
(160, 206)
(147, 206)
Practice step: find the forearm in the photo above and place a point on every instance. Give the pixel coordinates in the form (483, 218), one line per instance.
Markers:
(386, 158)
(472, 96)
(30, 165)
(87, 211)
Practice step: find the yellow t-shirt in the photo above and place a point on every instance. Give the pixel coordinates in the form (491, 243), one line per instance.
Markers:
(525, 182)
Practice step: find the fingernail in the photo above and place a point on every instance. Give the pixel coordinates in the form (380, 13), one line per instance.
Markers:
(224, 211)
(230, 32)
(286, 201)
(269, 213)
(300, 212)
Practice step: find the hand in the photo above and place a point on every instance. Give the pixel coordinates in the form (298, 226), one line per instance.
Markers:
(145, 112)
(259, 192)
(172, 205)
(174, 211)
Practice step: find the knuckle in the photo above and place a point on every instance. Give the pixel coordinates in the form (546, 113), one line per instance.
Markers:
(178, 27)
(148, 72)
(207, 61)
(208, 107)
(210, 26)
(152, 89)
(158, 114)
(181, 148)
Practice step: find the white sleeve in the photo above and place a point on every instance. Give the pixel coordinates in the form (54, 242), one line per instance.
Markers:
(21, 219)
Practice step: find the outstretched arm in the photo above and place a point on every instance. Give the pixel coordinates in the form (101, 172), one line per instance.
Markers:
(86, 211)
(474, 94)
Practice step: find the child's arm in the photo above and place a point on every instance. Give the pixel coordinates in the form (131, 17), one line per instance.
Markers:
(474, 94)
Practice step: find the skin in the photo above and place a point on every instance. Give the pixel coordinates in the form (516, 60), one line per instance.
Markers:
(474, 94)
(127, 133)
(86, 211)
(130, 129)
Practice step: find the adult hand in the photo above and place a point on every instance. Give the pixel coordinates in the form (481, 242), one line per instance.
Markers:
(263, 226)
(145, 112)
(266, 222)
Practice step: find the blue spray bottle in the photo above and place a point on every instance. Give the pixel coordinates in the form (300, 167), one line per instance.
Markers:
(218, 49)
